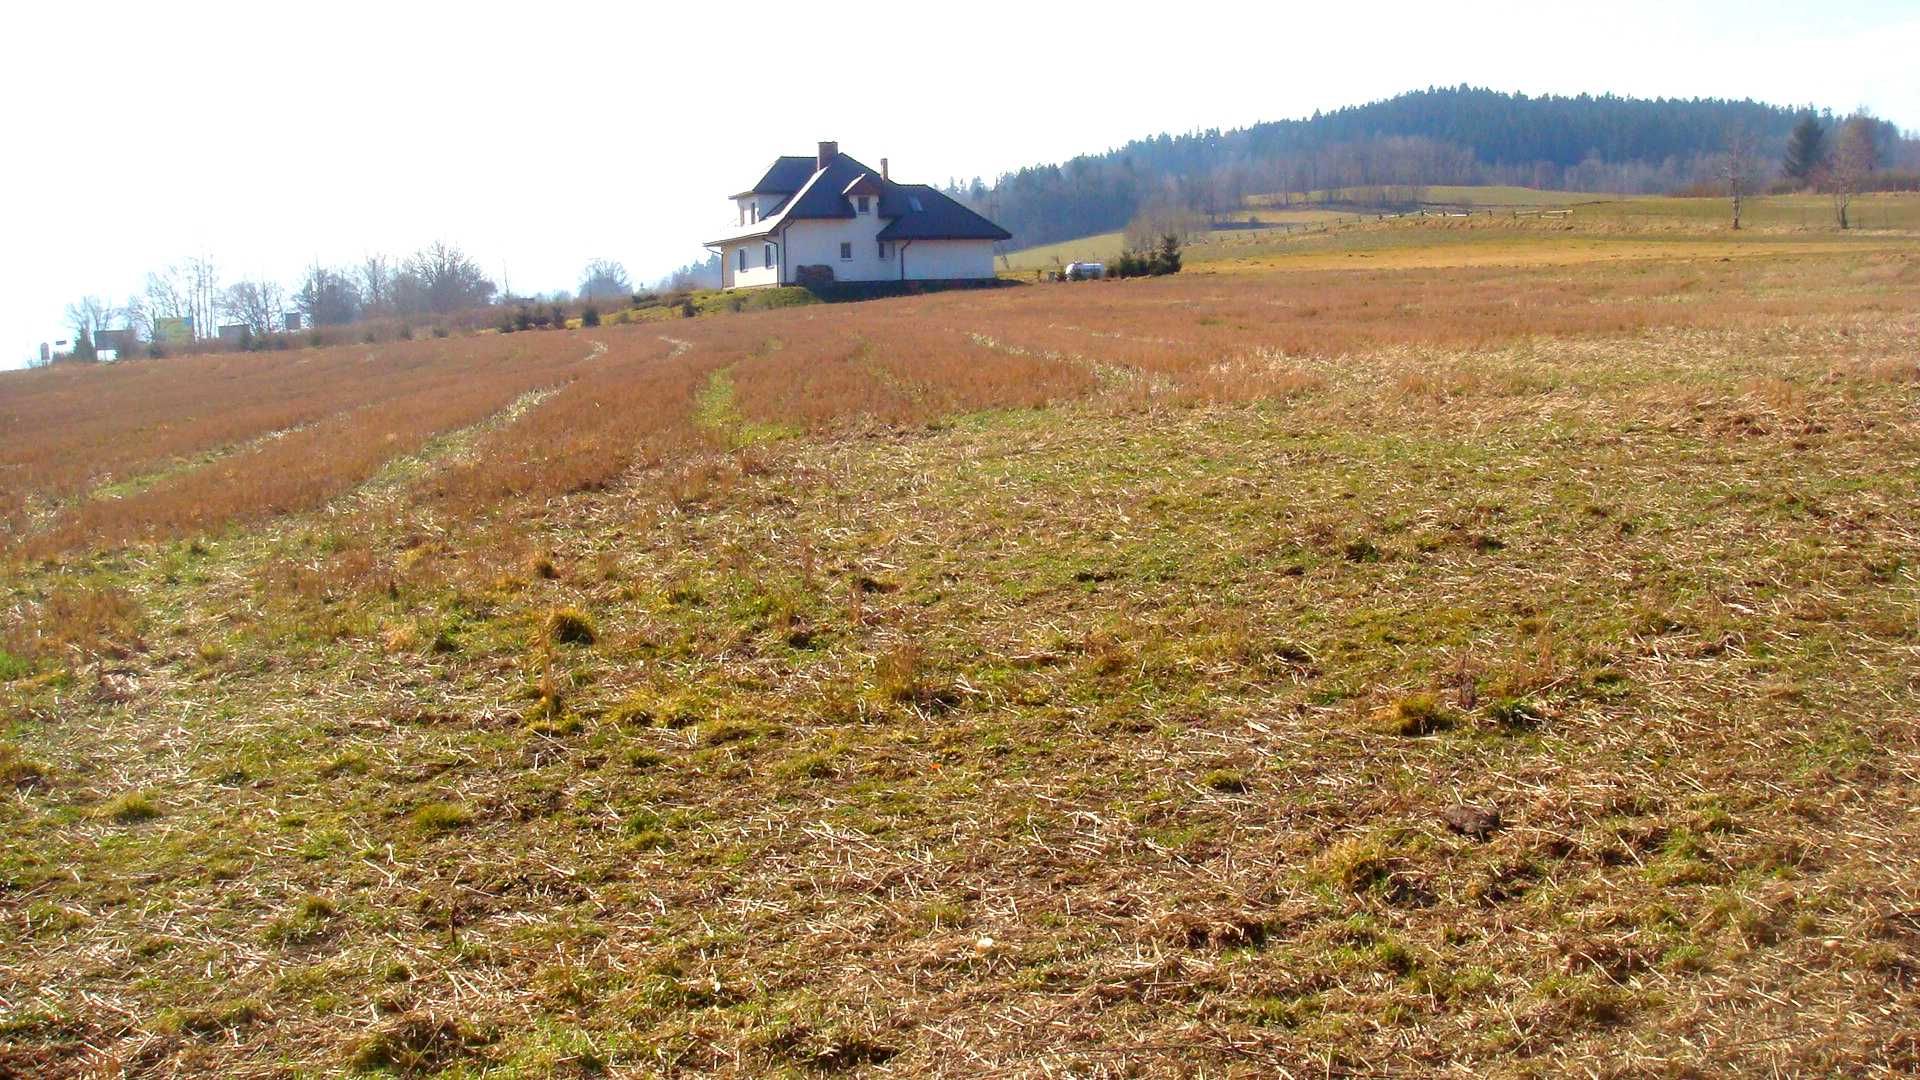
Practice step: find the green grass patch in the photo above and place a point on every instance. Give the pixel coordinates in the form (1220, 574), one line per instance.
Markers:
(441, 817)
(131, 808)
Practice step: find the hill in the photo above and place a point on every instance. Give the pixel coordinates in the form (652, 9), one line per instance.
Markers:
(1461, 135)
(1493, 656)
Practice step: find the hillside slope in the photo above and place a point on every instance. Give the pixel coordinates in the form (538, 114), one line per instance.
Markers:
(1418, 670)
(1457, 135)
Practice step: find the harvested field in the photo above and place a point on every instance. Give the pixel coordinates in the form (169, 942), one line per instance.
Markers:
(1447, 671)
(634, 396)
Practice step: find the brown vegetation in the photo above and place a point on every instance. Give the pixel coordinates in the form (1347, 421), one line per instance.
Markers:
(313, 434)
(1373, 673)
(286, 432)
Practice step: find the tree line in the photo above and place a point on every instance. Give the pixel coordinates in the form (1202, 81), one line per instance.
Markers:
(188, 303)
(1842, 168)
(1459, 135)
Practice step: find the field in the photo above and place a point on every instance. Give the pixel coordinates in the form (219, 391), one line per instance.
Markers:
(1099, 248)
(1306, 665)
(1457, 195)
(1508, 226)
(1104, 247)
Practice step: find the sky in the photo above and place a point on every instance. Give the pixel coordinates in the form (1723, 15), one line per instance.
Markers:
(272, 136)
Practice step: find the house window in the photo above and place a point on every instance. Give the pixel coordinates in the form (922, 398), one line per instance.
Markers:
(769, 257)
(886, 250)
(743, 260)
(862, 203)
(846, 251)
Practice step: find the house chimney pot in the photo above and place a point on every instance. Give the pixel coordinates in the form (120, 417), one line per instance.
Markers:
(883, 170)
(828, 151)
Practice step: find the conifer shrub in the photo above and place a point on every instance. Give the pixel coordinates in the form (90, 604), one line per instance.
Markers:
(1155, 262)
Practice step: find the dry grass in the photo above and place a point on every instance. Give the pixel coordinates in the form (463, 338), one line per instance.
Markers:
(70, 428)
(1476, 673)
(653, 402)
(364, 414)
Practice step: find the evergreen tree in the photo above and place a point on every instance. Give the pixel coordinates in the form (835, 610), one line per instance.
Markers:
(1167, 259)
(1806, 149)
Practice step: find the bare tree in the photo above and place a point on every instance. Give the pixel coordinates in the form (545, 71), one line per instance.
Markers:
(1854, 158)
(202, 280)
(1739, 164)
(167, 307)
(88, 316)
(166, 294)
(375, 279)
(1204, 193)
(605, 279)
(256, 305)
(441, 278)
(139, 318)
(328, 297)
(1143, 233)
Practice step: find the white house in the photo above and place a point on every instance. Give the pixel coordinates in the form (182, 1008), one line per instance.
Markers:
(831, 211)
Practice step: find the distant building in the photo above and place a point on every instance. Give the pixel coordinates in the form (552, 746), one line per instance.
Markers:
(292, 321)
(119, 342)
(233, 333)
(830, 218)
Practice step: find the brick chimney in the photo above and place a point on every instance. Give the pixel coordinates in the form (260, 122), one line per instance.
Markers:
(828, 151)
(883, 170)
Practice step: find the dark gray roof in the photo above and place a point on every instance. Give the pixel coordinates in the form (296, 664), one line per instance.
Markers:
(923, 212)
(919, 212)
(821, 197)
(787, 175)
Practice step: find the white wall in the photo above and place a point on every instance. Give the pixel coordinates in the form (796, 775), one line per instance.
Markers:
(813, 242)
(817, 242)
(757, 272)
(745, 212)
(945, 260)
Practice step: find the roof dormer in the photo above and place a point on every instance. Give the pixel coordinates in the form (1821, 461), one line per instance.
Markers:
(864, 193)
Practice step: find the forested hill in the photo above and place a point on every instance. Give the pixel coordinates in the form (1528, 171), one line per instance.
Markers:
(1514, 129)
(1461, 135)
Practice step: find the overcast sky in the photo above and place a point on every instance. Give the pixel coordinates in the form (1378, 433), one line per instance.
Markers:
(538, 136)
